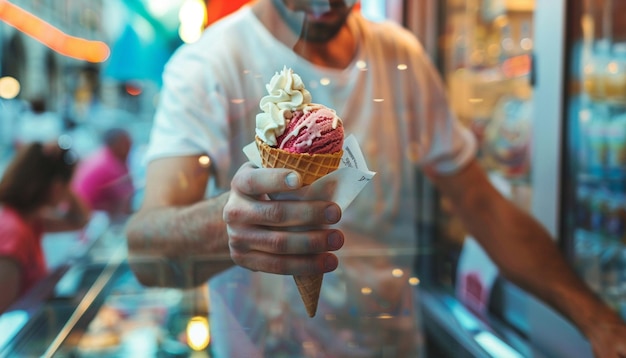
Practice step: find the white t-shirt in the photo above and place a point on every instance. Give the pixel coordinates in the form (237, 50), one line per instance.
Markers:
(400, 116)
(390, 98)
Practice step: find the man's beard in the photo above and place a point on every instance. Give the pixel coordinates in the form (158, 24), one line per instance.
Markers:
(316, 32)
(319, 32)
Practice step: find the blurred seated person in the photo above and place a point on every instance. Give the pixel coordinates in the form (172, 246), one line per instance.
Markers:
(102, 179)
(35, 198)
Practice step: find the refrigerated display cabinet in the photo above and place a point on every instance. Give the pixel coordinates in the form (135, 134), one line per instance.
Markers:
(541, 84)
(594, 210)
(584, 89)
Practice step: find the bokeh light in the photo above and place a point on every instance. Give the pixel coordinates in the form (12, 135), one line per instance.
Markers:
(198, 333)
(192, 17)
(9, 87)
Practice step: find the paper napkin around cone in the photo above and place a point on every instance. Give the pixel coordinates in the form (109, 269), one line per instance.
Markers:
(345, 172)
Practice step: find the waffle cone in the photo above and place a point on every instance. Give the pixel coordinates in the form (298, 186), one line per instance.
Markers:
(310, 166)
(309, 287)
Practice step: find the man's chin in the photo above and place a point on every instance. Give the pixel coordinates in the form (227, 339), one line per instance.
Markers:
(317, 32)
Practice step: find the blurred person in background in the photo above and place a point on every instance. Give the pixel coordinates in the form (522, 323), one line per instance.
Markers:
(102, 178)
(231, 232)
(11, 110)
(38, 124)
(35, 198)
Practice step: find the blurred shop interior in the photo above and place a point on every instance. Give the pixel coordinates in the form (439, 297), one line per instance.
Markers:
(542, 85)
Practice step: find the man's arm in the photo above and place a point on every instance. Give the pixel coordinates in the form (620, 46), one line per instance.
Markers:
(177, 238)
(524, 251)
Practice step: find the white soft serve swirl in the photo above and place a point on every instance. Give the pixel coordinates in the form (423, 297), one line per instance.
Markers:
(286, 93)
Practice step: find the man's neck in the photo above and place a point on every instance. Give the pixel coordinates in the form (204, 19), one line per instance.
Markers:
(336, 53)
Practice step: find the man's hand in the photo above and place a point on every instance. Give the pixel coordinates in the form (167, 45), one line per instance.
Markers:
(608, 338)
(279, 236)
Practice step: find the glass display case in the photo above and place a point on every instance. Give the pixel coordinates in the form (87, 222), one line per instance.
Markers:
(485, 59)
(97, 308)
(486, 63)
(368, 307)
(485, 55)
(548, 112)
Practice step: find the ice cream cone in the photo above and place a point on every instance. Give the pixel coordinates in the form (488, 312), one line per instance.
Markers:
(309, 287)
(310, 166)
(305, 137)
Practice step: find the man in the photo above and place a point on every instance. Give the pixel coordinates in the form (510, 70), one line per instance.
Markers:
(379, 80)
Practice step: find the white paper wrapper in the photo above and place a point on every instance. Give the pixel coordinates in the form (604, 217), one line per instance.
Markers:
(340, 186)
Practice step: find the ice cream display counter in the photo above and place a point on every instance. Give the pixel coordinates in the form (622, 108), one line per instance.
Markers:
(96, 307)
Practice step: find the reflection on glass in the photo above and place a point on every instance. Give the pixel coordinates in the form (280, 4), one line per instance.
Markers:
(487, 69)
(204, 161)
(486, 64)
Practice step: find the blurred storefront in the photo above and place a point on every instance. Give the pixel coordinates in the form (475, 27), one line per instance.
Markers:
(45, 49)
(38, 68)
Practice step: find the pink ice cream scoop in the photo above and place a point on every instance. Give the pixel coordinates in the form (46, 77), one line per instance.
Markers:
(315, 130)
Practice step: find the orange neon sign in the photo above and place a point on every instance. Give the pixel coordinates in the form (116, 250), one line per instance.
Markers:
(52, 37)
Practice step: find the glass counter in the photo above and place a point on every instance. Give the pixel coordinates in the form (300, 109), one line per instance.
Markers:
(93, 306)
(98, 308)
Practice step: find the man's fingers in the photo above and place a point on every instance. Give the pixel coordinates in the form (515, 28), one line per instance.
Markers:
(254, 181)
(279, 236)
(280, 213)
(246, 239)
(286, 264)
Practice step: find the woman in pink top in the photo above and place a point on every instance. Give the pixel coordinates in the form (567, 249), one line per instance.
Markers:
(35, 197)
(102, 180)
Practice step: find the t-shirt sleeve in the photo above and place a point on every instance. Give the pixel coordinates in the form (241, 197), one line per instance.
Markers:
(190, 113)
(444, 143)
